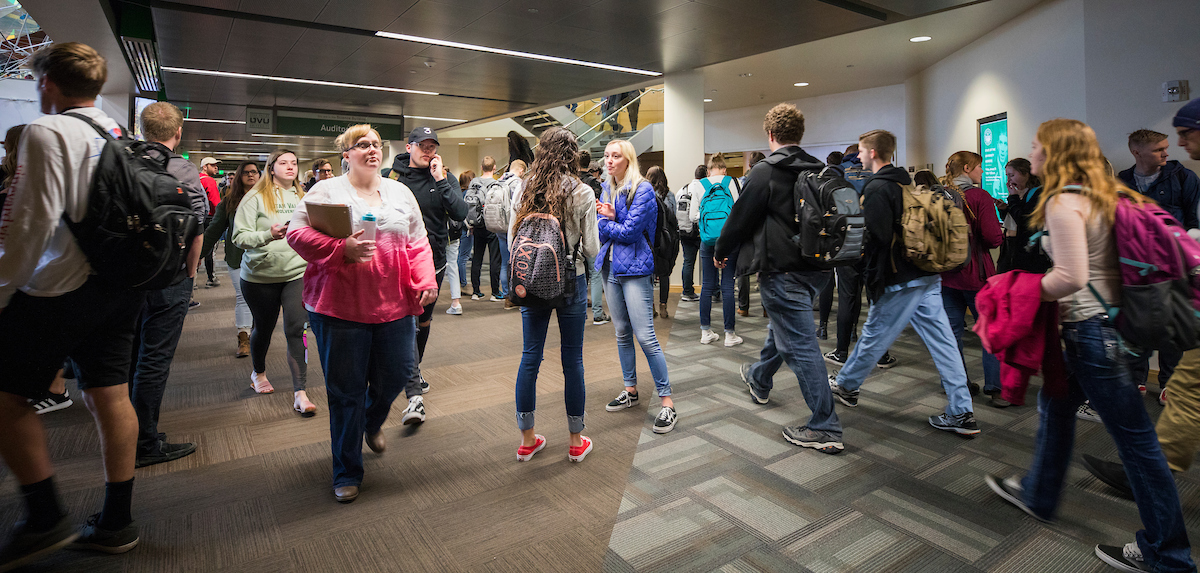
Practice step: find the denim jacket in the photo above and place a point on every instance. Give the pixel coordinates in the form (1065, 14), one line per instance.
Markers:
(627, 235)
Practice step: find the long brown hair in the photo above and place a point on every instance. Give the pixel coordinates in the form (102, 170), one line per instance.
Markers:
(658, 180)
(552, 178)
(11, 140)
(266, 181)
(1073, 157)
(1022, 166)
(236, 189)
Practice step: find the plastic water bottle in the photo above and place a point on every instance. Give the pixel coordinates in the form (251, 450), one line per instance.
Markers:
(368, 224)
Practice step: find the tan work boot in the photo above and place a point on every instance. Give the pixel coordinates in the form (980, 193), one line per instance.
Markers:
(663, 310)
(243, 345)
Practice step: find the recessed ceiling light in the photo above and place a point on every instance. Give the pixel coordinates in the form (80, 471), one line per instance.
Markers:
(800, 84)
(706, 100)
(204, 120)
(461, 143)
(293, 80)
(919, 39)
(477, 48)
(487, 139)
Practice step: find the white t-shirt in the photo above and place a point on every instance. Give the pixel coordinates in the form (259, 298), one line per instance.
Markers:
(38, 253)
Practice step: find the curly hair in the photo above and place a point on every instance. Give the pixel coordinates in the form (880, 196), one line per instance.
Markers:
(1073, 157)
(553, 177)
(785, 123)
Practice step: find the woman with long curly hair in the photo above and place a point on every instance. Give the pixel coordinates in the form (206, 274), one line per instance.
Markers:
(1077, 209)
(552, 187)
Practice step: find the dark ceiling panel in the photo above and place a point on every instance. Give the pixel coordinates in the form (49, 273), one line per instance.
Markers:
(913, 8)
(190, 40)
(298, 9)
(365, 15)
(318, 53)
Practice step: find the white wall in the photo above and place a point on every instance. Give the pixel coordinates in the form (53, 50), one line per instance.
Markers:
(1160, 41)
(18, 103)
(830, 122)
(1031, 67)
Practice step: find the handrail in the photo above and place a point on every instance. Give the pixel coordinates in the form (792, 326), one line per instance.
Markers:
(618, 112)
(568, 126)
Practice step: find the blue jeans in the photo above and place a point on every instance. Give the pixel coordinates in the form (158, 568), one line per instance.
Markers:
(366, 367)
(452, 269)
(504, 254)
(157, 336)
(631, 302)
(957, 302)
(534, 324)
(918, 302)
(1096, 364)
(788, 298)
(708, 284)
(595, 287)
(690, 248)
(465, 244)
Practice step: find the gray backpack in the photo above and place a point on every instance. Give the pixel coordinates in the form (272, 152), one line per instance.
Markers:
(541, 272)
(495, 205)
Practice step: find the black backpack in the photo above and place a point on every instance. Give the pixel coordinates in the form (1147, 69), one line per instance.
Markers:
(541, 274)
(139, 223)
(829, 213)
(665, 244)
(474, 200)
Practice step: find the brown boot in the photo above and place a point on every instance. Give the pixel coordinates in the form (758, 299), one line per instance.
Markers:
(243, 345)
(663, 310)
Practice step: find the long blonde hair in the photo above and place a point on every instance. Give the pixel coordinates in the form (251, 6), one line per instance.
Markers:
(1073, 157)
(266, 183)
(633, 173)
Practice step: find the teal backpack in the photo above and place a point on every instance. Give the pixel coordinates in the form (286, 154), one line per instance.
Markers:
(714, 209)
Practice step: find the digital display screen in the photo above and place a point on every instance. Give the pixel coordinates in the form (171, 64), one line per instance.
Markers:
(993, 147)
(139, 104)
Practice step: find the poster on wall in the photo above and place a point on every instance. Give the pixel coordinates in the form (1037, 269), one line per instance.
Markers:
(993, 147)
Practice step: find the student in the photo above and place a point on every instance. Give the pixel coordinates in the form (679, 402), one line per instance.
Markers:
(718, 193)
(762, 224)
(1077, 209)
(486, 240)
(1017, 252)
(244, 179)
(208, 174)
(658, 179)
(964, 170)
(362, 298)
(71, 314)
(689, 233)
(743, 282)
(552, 188)
(512, 185)
(626, 212)
(321, 170)
(901, 294)
(595, 281)
(272, 273)
(454, 262)
(465, 240)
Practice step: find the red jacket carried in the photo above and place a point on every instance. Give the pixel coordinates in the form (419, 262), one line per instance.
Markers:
(1022, 331)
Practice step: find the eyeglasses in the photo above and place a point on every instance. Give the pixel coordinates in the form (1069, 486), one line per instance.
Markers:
(248, 172)
(330, 170)
(365, 145)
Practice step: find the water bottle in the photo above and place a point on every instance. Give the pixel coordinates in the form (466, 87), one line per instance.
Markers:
(368, 225)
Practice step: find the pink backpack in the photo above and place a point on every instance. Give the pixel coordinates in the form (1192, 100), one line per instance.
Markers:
(1160, 279)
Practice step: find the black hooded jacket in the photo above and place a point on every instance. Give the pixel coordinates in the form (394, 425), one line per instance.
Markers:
(882, 206)
(440, 201)
(763, 219)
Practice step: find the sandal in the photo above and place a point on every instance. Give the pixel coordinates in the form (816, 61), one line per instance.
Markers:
(303, 406)
(263, 387)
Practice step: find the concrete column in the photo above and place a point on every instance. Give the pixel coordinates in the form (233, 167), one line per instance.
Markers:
(683, 107)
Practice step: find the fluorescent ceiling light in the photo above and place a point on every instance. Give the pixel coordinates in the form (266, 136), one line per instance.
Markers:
(461, 143)
(477, 48)
(800, 84)
(487, 139)
(241, 142)
(434, 118)
(920, 39)
(706, 100)
(206, 120)
(293, 80)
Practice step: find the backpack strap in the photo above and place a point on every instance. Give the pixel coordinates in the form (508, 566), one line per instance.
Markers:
(103, 133)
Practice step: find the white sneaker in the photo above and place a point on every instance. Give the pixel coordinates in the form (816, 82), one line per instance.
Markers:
(732, 339)
(415, 412)
(708, 336)
(454, 310)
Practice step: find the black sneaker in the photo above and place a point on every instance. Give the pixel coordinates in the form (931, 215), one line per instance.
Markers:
(193, 304)
(823, 331)
(424, 386)
(622, 401)
(963, 424)
(96, 538)
(602, 319)
(689, 297)
(53, 402)
(665, 421)
(25, 547)
(166, 453)
(1112, 474)
(1010, 489)
(1127, 558)
(847, 397)
(835, 357)
(757, 396)
(805, 437)
(887, 361)
(973, 388)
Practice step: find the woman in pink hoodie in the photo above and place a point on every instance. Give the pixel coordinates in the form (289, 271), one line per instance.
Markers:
(362, 296)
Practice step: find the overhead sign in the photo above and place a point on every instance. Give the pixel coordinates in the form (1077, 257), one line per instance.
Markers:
(993, 147)
(260, 120)
(291, 122)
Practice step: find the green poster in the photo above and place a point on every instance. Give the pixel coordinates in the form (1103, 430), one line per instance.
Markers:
(993, 146)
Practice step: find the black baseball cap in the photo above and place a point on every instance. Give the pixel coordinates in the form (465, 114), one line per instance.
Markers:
(421, 134)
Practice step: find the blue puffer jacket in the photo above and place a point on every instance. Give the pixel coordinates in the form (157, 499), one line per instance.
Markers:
(626, 235)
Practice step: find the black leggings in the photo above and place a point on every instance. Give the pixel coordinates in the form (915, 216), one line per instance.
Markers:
(664, 287)
(486, 239)
(265, 300)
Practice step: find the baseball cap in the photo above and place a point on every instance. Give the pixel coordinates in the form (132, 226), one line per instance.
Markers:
(1188, 116)
(421, 134)
(208, 161)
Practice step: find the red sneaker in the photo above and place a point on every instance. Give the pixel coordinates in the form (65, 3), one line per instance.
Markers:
(1162, 397)
(525, 453)
(1142, 389)
(578, 453)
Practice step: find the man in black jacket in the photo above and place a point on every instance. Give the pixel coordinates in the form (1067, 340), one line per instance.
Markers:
(900, 294)
(762, 224)
(440, 198)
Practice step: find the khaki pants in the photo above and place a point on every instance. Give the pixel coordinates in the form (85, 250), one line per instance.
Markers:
(1179, 426)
